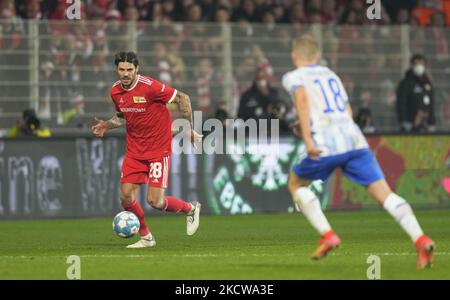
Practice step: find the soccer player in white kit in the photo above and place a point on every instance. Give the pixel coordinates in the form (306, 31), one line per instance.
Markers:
(333, 140)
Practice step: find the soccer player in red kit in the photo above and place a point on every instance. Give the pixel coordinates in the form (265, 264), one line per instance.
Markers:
(140, 102)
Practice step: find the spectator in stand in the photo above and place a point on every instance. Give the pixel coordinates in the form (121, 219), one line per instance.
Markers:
(168, 10)
(262, 62)
(246, 11)
(178, 67)
(131, 13)
(209, 9)
(115, 31)
(205, 76)
(425, 9)
(278, 13)
(440, 42)
(74, 116)
(161, 62)
(403, 17)
(222, 113)
(415, 98)
(30, 9)
(446, 10)
(28, 126)
(297, 14)
(222, 15)
(245, 72)
(254, 103)
(12, 28)
(364, 115)
(194, 13)
(331, 11)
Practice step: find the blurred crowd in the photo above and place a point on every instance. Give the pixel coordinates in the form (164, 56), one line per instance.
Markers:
(76, 70)
(423, 12)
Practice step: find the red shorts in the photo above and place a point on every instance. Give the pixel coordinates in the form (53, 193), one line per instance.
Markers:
(155, 172)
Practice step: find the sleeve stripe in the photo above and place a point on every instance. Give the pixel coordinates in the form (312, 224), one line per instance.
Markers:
(173, 96)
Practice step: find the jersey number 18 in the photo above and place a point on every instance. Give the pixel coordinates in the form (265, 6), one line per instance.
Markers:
(337, 94)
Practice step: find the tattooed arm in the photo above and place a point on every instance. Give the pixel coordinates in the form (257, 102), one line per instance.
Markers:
(100, 128)
(184, 105)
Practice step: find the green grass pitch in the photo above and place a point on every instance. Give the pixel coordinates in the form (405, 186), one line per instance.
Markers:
(273, 246)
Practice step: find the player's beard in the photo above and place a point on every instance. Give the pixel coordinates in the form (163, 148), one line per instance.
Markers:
(130, 81)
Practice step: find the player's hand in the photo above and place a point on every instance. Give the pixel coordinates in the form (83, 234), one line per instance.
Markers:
(195, 138)
(99, 128)
(313, 152)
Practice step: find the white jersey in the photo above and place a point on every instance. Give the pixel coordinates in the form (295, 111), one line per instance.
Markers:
(333, 130)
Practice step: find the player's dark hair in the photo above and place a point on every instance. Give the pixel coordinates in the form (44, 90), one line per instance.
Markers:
(417, 57)
(129, 57)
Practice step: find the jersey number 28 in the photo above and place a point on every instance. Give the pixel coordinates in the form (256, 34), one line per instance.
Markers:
(155, 170)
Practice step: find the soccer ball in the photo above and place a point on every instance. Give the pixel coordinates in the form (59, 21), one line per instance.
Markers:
(126, 224)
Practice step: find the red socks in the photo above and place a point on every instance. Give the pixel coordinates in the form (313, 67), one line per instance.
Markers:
(136, 209)
(172, 204)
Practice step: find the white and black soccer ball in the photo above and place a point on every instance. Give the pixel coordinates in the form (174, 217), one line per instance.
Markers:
(126, 224)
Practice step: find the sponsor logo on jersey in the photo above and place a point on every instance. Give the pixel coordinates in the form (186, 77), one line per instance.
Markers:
(155, 180)
(133, 109)
(121, 100)
(139, 99)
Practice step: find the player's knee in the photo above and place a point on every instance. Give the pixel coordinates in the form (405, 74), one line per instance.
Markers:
(156, 202)
(126, 196)
(292, 186)
(294, 183)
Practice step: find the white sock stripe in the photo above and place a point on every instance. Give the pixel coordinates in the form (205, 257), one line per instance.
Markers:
(165, 172)
(403, 214)
(312, 210)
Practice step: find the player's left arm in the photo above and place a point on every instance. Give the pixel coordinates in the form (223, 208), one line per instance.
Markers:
(184, 105)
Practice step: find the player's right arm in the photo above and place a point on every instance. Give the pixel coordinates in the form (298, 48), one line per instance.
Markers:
(101, 127)
(302, 106)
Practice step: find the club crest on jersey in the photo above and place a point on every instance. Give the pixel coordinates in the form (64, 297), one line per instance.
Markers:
(139, 99)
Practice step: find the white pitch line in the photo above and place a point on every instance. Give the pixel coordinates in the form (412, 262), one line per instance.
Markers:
(404, 253)
(206, 255)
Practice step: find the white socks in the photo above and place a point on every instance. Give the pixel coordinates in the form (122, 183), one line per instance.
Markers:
(310, 207)
(397, 207)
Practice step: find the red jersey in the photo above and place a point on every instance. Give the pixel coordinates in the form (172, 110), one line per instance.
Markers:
(148, 122)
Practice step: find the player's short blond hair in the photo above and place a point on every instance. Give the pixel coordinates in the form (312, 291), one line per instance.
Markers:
(306, 47)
